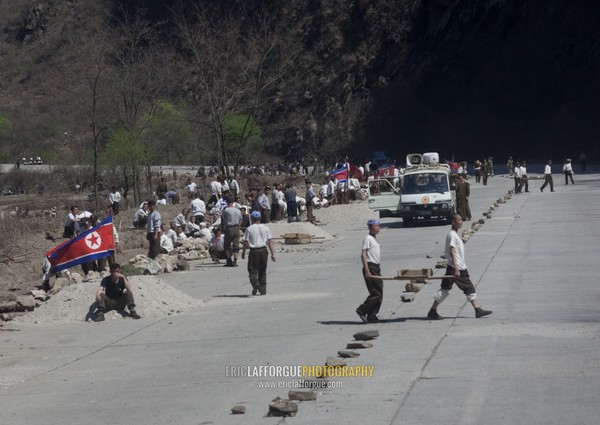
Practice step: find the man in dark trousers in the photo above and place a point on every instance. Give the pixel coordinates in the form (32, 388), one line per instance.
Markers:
(548, 177)
(231, 217)
(455, 254)
(115, 293)
(370, 257)
(153, 230)
(257, 238)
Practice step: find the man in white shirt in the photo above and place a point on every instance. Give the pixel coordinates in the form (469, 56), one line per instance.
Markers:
(568, 171)
(370, 257)
(216, 247)
(524, 180)
(455, 255)
(517, 177)
(114, 197)
(166, 243)
(215, 191)
(181, 219)
(257, 238)
(140, 218)
(548, 177)
(204, 231)
(331, 190)
(234, 187)
(197, 209)
(181, 238)
(172, 232)
(71, 226)
(190, 186)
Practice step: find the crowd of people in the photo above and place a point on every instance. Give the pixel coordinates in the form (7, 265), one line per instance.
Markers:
(232, 221)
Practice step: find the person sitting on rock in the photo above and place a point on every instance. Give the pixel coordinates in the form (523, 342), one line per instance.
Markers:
(166, 243)
(115, 293)
(172, 232)
(181, 238)
(204, 232)
(140, 218)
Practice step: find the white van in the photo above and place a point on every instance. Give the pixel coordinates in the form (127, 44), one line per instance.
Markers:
(425, 191)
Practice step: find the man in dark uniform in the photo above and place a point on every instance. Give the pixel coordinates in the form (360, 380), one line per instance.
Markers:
(161, 188)
(463, 191)
(115, 293)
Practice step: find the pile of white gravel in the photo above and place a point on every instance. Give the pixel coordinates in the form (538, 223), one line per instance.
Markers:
(355, 213)
(75, 303)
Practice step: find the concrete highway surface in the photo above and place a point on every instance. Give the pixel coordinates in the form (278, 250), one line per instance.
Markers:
(535, 360)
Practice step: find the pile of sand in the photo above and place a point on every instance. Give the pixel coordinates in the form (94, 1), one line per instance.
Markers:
(75, 303)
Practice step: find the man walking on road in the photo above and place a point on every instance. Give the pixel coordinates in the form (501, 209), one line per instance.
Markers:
(230, 223)
(548, 177)
(455, 254)
(370, 257)
(257, 238)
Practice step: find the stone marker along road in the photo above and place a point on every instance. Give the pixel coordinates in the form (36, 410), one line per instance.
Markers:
(534, 360)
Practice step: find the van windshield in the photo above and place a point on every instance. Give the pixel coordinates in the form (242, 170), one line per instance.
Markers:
(425, 183)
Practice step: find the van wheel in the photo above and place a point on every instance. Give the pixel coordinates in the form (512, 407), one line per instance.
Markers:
(408, 222)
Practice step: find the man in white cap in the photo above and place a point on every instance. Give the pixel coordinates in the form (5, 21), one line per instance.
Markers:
(257, 238)
(370, 257)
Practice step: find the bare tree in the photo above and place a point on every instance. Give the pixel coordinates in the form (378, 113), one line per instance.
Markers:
(141, 78)
(237, 67)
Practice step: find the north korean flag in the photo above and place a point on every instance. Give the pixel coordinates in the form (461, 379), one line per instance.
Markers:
(340, 174)
(385, 171)
(98, 242)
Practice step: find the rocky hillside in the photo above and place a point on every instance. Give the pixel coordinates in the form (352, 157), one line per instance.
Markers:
(318, 78)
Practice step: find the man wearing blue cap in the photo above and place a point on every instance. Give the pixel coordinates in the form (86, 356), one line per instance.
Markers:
(257, 238)
(370, 259)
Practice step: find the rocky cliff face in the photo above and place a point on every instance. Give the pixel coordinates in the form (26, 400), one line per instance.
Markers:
(498, 77)
(469, 77)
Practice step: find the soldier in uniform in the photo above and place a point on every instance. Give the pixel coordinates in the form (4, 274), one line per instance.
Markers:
(477, 171)
(463, 191)
(485, 171)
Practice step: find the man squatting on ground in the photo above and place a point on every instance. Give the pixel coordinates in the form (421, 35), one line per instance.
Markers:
(256, 238)
(370, 257)
(115, 293)
(455, 254)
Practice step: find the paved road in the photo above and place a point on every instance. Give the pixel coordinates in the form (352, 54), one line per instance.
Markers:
(535, 360)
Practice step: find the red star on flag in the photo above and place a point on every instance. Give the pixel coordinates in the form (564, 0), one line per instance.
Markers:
(93, 240)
